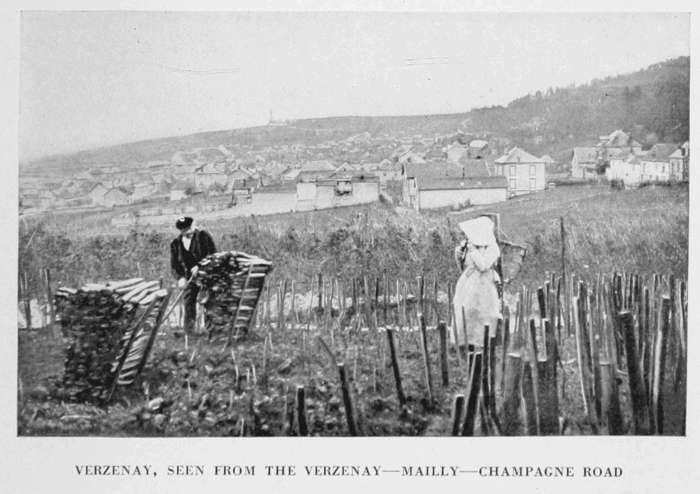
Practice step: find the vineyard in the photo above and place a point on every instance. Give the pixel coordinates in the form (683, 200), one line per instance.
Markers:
(351, 335)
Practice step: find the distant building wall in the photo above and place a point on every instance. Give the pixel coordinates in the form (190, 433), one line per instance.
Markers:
(629, 173)
(305, 195)
(330, 194)
(456, 153)
(677, 169)
(523, 177)
(176, 195)
(431, 199)
(273, 202)
(656, 171)
(365, 192)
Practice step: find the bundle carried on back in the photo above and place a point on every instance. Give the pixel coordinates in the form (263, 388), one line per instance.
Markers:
(110, 329)
(231, 283)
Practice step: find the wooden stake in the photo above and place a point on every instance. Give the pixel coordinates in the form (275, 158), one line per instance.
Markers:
(27, 301)
(426, 358)
(347, 401)
(444, 367)
(295, 316)
(303, 429)
(421, 295)
(486, 369)
(530, 400)
(547, 399)
(640, 408)
(436, 307)
(473, 401)
(512, 423)
(505, 348)
(320, 293)
(611, 399)
(660, 352)
(395, 366)
(541, 303)
(457, 412)
(533, 341)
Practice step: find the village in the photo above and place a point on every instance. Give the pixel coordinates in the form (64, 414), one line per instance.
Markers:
(456, 172)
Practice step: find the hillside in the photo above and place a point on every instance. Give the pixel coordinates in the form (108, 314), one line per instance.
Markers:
(652, 103)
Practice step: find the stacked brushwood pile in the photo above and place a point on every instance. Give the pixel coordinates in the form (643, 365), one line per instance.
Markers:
(110, 328)
(230, 283)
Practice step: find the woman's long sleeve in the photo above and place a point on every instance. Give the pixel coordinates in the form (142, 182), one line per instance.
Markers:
(485, 259)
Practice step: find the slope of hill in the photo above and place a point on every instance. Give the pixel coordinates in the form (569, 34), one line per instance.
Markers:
(652, 103)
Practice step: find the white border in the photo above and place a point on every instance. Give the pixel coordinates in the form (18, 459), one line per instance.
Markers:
(36, 465)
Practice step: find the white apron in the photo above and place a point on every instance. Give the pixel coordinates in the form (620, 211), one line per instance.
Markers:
(477, 296)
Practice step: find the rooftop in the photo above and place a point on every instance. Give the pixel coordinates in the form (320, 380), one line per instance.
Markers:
(459, 183)
(517, 155)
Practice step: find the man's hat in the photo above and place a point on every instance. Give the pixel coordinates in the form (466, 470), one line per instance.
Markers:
(183, 222)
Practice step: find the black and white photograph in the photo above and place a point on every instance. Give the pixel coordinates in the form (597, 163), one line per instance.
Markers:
(245, 224)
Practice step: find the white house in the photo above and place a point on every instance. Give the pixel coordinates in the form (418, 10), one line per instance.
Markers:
(315, 170)
(439, 184)
(440, 192)
(525, 172)
(388, 170)
(627, 170)
(97, 194)
(345, 190)
(478, 148)
(116, 196)
(291, 175)
(618, 144)
(456, 152)
(410, 156)
(177, 194)
(547, 160)
(212, 174)
(637, 168)
(656, 163)
(679, 163)
(584, 163)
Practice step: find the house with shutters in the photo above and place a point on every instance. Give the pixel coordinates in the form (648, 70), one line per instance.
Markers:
(656, 163)
(525, 173)
(678, 162)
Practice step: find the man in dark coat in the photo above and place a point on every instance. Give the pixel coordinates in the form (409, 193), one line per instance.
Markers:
(186, 250)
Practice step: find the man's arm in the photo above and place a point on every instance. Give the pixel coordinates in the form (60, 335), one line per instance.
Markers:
(175, 264)
(208, 246)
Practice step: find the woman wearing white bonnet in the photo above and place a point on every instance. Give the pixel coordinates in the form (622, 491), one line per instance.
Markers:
(476, 293)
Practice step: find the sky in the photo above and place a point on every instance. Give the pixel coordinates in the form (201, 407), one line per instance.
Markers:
(90, 79)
